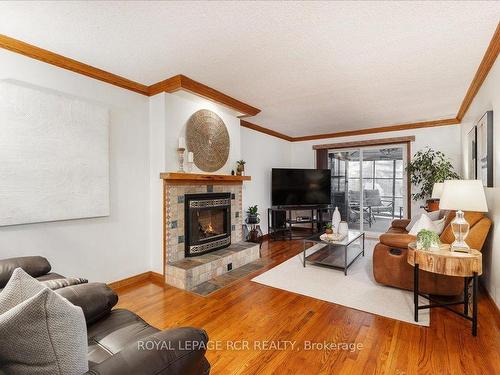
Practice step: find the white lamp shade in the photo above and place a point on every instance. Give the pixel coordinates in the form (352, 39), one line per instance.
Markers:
(437, 190)
(465, 195)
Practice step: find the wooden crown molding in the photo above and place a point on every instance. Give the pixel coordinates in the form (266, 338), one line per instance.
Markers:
(60, 61)
(181, 82)
(371, 142)
(267, 131)
(484, 68)
(381, 129)
(349, 133)
(172, 84)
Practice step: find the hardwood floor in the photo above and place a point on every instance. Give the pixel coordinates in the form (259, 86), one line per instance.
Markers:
(253, 312)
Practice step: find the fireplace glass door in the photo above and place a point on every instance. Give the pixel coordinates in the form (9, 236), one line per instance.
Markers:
(207, 222)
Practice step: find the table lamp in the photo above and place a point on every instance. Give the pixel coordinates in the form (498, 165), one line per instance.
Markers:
(437, 190)
(462, 195)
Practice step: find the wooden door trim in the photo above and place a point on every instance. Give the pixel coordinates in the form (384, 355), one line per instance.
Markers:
(364, 143)
(408, 182)
(406, 141)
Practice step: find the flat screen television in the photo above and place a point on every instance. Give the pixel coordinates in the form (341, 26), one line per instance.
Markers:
(300, 187)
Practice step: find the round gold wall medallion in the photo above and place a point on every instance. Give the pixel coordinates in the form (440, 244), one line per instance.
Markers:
(207, 138)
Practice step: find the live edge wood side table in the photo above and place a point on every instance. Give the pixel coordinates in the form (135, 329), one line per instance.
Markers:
(451, 263)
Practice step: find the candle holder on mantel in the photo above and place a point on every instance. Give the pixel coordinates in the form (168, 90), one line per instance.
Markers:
(190, 161)
(180, 152)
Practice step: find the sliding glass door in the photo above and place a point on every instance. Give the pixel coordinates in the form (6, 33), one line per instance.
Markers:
(346, 185)
(369, 185)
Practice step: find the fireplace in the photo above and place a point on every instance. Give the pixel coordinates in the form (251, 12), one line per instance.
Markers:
(207, 222)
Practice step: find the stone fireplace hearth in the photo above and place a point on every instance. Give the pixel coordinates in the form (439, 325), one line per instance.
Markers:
(202, 220)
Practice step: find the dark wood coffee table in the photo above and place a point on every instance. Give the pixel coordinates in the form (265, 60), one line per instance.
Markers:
(340, 254)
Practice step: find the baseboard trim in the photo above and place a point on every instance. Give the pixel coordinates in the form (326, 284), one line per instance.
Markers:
(487, 294)
(152, 276)
(157, 278)
(266, 237)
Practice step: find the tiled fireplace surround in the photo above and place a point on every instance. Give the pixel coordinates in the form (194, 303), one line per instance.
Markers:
(187, 273)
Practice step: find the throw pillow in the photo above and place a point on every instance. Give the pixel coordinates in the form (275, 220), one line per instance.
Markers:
(412, 222)
(439, 225)
(434, 215)
(423, 223)
(40, 331)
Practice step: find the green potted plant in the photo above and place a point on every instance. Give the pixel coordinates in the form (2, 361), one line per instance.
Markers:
(329, 228)
(252, 215)
(426, 168)
(428, 240)
(240, 167)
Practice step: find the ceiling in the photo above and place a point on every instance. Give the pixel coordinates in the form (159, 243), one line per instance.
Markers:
(311, 67)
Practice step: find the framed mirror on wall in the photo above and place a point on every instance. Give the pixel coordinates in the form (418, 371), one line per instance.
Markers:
(480, 150)
(472, 154)
(484, 149)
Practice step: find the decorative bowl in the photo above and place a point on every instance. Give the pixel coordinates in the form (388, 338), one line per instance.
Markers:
(334, 237)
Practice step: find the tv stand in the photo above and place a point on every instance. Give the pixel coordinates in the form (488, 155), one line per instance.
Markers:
(281, 223)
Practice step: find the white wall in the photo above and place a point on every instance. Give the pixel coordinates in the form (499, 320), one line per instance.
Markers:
(179, 108)
(262, 153)
(169, 113)
(443, 138)
(108, 248)
(157, 164)
(488, 98)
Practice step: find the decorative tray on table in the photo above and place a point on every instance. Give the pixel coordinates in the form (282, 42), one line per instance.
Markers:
(334, 237)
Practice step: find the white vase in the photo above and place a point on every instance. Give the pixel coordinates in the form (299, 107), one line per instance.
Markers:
(343, 228)
(336, 220)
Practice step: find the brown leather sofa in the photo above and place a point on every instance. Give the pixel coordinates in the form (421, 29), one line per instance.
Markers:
(389, 256)
(114, 334)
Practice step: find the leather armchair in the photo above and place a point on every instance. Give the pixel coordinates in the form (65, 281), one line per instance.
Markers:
(183, 355)
(119, 341)
(390, 266)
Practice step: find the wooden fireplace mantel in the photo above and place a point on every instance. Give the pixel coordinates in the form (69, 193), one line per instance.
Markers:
(198, 177)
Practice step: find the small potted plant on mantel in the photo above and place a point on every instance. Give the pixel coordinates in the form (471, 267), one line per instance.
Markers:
(253, 215)
(240, 167)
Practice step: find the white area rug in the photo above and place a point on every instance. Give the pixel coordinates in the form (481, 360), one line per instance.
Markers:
(357, 290)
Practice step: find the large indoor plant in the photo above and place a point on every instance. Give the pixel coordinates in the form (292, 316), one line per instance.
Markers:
(426, 168)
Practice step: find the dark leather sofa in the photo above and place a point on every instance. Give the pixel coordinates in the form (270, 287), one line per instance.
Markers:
(119, 341)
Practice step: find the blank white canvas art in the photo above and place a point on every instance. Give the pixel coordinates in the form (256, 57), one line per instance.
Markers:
(54, 156)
